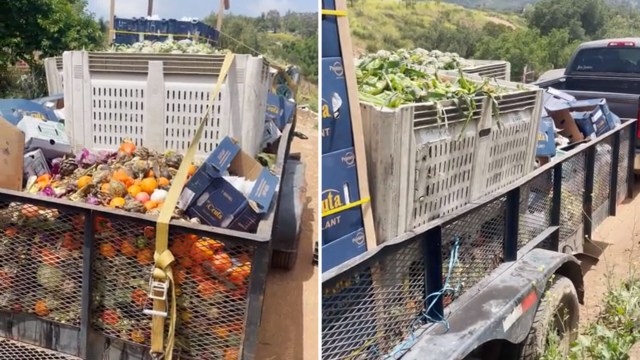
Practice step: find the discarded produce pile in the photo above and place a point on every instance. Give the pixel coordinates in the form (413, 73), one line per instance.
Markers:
(168, 47)
(391, 79)
(134, 179)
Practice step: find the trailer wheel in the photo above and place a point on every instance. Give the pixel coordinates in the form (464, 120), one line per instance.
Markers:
(558, 311)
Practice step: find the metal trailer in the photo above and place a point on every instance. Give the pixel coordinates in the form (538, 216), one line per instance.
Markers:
(74, 325)
(470, 285)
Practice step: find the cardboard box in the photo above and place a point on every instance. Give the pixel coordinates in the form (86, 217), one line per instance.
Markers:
(589, 105)
(343, 249)
(11, 156)
(35, 164)
(48, 136)
(280, 110)
(13, 110)
(336, 117)
(209, 197)
(330, 37)
(554, 98)
(592, 123)
(560, 112)
(339, 188)
(546, 138)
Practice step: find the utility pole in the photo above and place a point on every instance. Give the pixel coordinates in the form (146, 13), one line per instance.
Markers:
(112, 20)
(150, 8)
(224, 5)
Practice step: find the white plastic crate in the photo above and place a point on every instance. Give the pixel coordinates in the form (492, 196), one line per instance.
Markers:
(494, 69)
(423, 166)
(157, 100)
(53, 70)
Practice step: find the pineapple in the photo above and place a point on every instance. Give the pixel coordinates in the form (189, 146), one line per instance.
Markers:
(142, 152)
(68, 167)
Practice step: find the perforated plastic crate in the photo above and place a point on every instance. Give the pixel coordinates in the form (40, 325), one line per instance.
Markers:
(53, 70)
(426, 160)
(157, 100)
(494, 69)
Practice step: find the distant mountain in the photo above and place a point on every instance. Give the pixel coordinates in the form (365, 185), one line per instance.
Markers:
(519, 5)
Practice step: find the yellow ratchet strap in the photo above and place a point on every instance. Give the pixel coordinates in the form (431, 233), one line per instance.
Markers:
(334, 12)
(162, 272)
(346, 207)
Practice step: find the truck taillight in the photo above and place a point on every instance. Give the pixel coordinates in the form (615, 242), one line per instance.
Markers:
(622, 44)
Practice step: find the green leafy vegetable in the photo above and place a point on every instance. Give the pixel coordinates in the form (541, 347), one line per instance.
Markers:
(169, 47)
(391, 79)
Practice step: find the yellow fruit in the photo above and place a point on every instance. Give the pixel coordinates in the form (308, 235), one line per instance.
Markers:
(117, 202)
(134, 190)
(84, 181)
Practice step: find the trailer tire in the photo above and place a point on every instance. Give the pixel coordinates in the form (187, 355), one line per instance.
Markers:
(558, 310)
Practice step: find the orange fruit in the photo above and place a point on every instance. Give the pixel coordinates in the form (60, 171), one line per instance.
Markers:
(148, 185)
(221, 262)
(45, 178)
(84, 181)
(69, 242)
(116, 202)
(192, 170)
(110, 317)
(201, 251)
(145, 257)
(150, 205)
(107, 250)
(10, 232)
(137, 336)
(49, 257)
(231, 354)
(139, 297)
(238, 274)
(41, 308)
(105, 188)
(134, 190)
(208, 288)
(128, 248)
(220, 332)
(163, 182)
(127, 147)
(185, 262)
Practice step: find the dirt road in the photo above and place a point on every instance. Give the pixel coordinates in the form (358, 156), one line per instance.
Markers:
(290, 315)
(617, 238)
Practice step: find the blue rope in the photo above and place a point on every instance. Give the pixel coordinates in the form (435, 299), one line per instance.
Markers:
(419, 320)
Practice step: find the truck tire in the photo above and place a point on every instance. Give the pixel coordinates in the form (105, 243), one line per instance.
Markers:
(559, 310)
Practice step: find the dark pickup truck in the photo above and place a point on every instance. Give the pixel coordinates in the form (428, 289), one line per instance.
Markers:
(607, 69)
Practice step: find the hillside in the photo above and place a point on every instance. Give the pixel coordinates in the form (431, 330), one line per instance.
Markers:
(418, 27)
(518, 5)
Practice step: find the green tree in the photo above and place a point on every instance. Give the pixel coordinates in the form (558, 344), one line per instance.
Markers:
(273, 19)
(582, 18)
(32, 28)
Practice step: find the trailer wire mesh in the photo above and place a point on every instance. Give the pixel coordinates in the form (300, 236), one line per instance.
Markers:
(13, 350)
(356, 317)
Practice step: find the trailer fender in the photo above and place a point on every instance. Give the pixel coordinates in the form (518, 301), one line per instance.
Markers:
(502, 308)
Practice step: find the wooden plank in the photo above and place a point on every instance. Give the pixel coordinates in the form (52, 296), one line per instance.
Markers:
(356, 122)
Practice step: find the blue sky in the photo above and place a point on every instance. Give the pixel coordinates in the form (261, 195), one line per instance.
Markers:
(198, 8)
